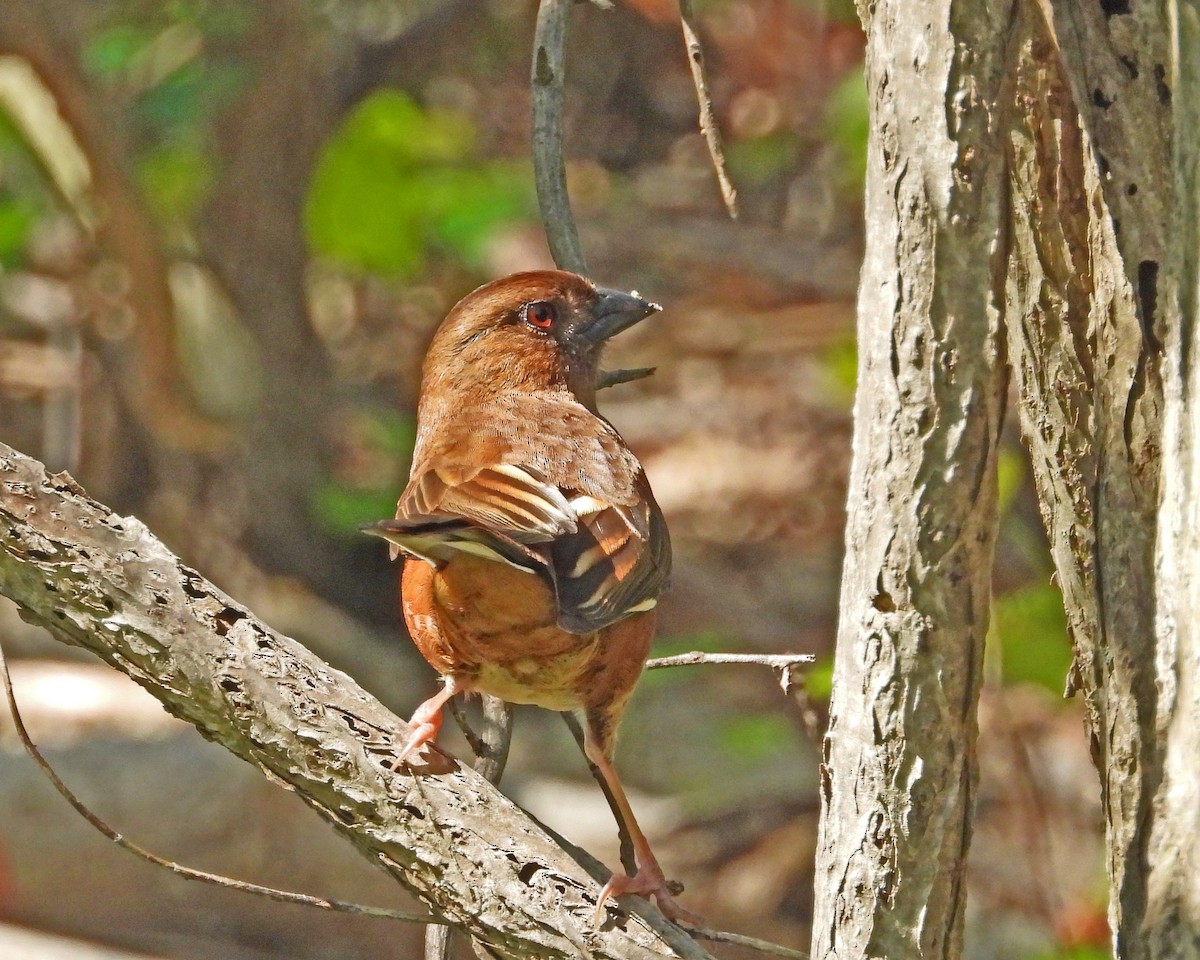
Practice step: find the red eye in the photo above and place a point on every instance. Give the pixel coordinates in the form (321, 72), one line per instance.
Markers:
(540, 314)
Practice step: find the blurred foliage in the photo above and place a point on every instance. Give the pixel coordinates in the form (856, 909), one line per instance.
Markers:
(396, 179)
(757, 160)
(818, 679)
(840, 364)
(24, 196)
(846, 127)
(377, 449)
(1011, 477)
(1087, 951)
(704, 641)
(171, 89)
(758, 736)
(175, 179)
(1029, 628)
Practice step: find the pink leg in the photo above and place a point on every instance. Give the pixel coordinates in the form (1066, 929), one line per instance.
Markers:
(649, 880)
(427, 718)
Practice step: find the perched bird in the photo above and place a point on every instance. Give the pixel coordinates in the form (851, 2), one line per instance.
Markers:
(534, 552)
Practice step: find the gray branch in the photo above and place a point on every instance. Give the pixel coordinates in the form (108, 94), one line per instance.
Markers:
(548, 83)
(106, 583)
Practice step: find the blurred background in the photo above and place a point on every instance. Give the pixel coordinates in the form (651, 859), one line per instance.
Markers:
(227, 231)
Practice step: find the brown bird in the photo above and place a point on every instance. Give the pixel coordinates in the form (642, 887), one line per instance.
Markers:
(534, 552)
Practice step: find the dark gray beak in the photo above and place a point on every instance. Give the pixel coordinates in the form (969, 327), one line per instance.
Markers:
(613, 312)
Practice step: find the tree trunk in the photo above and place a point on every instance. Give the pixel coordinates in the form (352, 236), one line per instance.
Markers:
(1045, 157)
(899, 770)
(1101, 292)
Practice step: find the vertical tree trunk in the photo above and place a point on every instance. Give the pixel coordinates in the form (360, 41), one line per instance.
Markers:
(1046, 156)
(899, 770)
(1173, 857)
(1102, 303)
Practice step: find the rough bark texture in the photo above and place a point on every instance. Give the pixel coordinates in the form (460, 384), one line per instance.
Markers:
(1095, 260)
(1099, 284)
(899, 769)
(1173, 855)
(104, 582)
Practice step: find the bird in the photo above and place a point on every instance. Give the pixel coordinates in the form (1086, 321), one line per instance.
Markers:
(534, 553)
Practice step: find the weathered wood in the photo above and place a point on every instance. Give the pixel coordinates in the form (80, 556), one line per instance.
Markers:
(899, 766)
(1101, 303)
(104, 582)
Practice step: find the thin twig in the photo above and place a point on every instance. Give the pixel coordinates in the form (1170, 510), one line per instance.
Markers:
(708, 119)
(784, 664)
(610, 378)
(776, 661)
(754, 943)
(547, 82)
(282, 896)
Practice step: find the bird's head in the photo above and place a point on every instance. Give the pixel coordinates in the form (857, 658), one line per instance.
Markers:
(537, 330)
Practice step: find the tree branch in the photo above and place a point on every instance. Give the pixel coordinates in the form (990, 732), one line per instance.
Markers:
(548, 85)
(104, 582)
(708, 119)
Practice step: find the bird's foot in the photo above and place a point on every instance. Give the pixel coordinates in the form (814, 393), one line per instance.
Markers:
(648, 882)
(423, 727)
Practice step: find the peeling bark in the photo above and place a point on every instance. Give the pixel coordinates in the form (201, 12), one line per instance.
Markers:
(105, 583)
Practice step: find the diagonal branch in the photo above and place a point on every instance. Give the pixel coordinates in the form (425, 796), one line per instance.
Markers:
(104, 582)
(708, 117)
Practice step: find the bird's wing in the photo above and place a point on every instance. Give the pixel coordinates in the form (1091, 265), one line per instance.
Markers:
(510, 499)
(569, 503)
(615, 564)
(493, 512)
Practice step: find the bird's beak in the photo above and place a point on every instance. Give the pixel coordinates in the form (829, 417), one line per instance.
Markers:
(613, 312)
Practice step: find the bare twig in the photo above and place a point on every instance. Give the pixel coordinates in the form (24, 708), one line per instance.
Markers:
(754, 943)
(610, 378)
(271, 893)
(784, 664)
(547, 81)
(708, 119)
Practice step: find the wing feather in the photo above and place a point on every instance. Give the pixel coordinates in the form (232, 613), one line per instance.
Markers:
(570, 504)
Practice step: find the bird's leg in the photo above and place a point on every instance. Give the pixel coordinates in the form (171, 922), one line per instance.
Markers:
(427, 718)
(649, 881)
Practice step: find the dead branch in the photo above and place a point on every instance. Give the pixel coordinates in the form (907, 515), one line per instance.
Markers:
(106, 583)
(708, 118)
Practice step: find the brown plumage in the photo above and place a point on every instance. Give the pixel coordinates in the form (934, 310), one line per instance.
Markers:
(534, 552)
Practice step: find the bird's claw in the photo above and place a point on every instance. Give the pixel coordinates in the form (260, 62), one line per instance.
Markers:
(647, 883)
